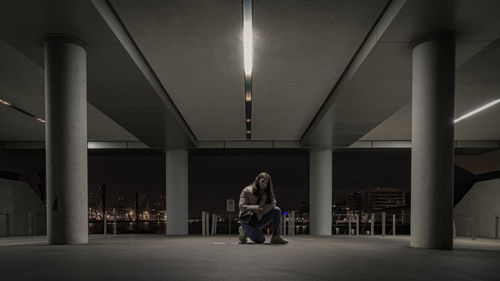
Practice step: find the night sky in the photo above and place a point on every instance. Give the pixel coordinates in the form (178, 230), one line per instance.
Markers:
(217, 176)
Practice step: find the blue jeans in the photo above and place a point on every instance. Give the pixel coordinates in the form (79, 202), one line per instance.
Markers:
(255, 232)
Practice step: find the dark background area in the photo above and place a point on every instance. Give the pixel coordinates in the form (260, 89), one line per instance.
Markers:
(215, 176)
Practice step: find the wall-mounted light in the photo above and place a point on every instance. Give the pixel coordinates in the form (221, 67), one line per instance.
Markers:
(477, 110)
(249, 120)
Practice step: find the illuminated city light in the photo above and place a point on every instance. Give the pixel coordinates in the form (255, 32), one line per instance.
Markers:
(477, 110)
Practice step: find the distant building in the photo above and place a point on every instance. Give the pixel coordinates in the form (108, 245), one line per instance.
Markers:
(376, 199)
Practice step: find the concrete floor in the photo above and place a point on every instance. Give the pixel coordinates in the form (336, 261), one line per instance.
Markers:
(158, 257)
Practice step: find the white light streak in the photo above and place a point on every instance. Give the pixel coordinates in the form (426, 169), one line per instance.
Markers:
(40, 119)
(477, 110)
(4, 102)
(247, 36)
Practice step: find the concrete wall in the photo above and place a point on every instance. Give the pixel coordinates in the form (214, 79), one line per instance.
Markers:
(477, 212)
(26, 213)
(480, 163)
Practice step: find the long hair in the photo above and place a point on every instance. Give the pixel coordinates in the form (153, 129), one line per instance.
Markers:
(270, 189)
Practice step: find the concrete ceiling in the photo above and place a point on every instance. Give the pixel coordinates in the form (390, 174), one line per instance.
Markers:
(300, 50)
(116, 86)
(477, 83)
(22, 85)
(381, 87)
(477, 75)
(170, 73)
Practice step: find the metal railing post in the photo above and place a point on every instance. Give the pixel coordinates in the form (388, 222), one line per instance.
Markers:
(207, 223)
(394, 225)
(357, 225)
(349, 220)
(203, 223)
(383, 224)
(372, 225)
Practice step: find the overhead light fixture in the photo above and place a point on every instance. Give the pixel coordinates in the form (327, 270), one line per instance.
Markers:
(247, 36)
(248, 62)
(21, 110)
(4, 102)
(477, 110)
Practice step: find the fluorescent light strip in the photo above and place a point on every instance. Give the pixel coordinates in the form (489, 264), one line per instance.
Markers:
(21, 110)
(4, 102)
(477, 110)
(247, 36)
(248, 62)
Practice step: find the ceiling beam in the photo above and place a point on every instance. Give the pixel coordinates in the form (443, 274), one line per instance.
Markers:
(109, 15)
(387, 16)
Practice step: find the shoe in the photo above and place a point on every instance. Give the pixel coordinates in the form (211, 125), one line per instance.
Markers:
(278, 239)
(242, 236)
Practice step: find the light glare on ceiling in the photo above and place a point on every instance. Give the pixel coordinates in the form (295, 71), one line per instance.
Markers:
(477, 110)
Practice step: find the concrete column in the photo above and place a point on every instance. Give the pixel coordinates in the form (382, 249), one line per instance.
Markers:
(320, 193)
(177, 191)
(433, 97)
(66, 139)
